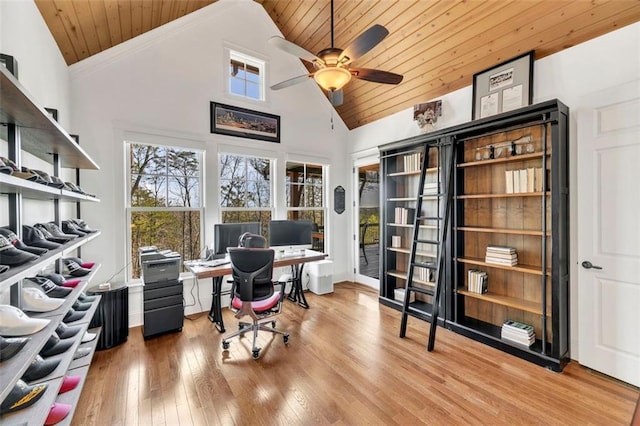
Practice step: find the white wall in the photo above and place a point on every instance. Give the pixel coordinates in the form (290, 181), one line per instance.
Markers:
(157, 88)
(607, 61)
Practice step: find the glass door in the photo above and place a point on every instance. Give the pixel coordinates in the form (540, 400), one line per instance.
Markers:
(368, 224)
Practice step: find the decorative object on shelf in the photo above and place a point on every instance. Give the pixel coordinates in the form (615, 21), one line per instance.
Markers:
(426, 114)
(512, 148)
(244, 123)
(338, 199)
(504, 87)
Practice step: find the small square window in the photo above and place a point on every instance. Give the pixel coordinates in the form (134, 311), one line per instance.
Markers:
(246, 76)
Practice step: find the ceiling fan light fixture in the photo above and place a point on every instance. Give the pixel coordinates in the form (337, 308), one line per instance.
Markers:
(332, 78)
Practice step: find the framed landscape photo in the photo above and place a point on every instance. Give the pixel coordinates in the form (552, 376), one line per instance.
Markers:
(503, 87)
(244, 123)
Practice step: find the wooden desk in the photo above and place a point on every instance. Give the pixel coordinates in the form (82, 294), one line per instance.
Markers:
(217, 273)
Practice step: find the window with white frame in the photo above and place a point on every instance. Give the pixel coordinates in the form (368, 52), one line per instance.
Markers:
(165, 208)
(305, 195)
(246, 76)
(246, 188)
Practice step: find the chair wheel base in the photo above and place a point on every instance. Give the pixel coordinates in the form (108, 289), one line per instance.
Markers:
(285, 338)
(255, 354)
(225, 345)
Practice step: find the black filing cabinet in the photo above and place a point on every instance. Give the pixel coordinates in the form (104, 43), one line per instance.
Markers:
(163, 307)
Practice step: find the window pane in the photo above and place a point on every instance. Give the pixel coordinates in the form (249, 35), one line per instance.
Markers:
(236, 86)
(184, 192)
(261, 216)
(148, 191)
(258, 169)
(295, 196)
(183, 163)
(177, 231)
(313, 196)
(253, 91)
(314, 174)
(258, 194)
(232, 193)
(253, 76)
(146, 159)
(231, 166)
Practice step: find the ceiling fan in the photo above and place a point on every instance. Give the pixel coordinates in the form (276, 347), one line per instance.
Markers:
(332, 70)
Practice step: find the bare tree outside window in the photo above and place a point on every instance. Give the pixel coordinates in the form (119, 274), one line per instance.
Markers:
(245, 190)
(165, 196)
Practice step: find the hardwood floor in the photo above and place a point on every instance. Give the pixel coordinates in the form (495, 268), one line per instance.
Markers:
(344, 364)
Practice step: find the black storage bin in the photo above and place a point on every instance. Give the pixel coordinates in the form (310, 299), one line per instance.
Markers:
(112, 315)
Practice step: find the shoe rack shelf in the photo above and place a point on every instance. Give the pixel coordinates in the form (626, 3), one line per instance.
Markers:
(29, 128)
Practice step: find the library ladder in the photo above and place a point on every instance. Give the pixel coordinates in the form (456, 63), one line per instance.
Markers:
(443, 170)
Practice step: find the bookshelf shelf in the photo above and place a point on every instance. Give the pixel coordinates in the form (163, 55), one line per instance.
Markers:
(510, 302)
(532, 232)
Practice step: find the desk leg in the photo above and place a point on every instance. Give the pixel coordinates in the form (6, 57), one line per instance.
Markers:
(296, 294)
(215, 314)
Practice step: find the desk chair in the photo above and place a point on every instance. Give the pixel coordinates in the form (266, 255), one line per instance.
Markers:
(254, 294)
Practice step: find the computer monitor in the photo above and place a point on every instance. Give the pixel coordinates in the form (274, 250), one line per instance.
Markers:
(227, 234)
(290, 235)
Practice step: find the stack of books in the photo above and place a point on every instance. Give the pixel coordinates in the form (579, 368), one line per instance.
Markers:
(499, 255)
(523, 180)
(411, 162)
(396, 241)
(518, 332)
(477, 281)
(404, 215)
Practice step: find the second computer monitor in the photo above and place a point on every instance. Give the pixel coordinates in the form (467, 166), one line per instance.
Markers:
(290, 235)
(228, 234)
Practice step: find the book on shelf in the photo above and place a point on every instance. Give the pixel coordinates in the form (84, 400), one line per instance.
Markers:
(501, 249)
(396, 241)
(523, 180)
(508, 177)
(411, 162)
(477, 281)
(404, 215)
(518, 332)
(538, 180)
(500, 255)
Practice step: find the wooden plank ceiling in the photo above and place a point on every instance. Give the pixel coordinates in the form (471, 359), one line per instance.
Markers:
(436, 45)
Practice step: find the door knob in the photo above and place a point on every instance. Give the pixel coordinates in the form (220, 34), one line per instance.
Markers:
(588, 265)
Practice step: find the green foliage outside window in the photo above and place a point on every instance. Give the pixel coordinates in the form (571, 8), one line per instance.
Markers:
(165, 200)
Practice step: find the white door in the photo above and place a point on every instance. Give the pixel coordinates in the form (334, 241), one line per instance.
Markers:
(366, 212)
(608, 146)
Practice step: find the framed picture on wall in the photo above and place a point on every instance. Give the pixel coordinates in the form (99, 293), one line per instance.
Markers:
(244, 123)
(503, 87)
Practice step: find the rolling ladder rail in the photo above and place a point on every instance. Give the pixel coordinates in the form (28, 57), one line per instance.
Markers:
(444, 180)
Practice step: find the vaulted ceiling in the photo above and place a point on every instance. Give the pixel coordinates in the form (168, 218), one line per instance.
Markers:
(438, 45)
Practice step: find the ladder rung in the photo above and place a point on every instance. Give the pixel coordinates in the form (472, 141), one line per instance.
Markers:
(429, 218)
(425, 265)
(427, 241)
(421, 290)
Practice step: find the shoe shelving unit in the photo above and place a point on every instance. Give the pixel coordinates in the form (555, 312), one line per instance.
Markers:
(29, 128)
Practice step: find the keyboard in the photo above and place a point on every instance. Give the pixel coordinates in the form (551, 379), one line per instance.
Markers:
(215, 262)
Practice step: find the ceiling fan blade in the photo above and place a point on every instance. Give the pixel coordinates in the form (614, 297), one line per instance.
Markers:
(335, 97)
(291, 81)
(376, 76)
(363, 43)
(294, 49)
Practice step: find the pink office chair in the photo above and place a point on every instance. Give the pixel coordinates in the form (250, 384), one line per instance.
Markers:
(254, 294)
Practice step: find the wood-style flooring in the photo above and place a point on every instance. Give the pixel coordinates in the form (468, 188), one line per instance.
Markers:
(345, 365)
